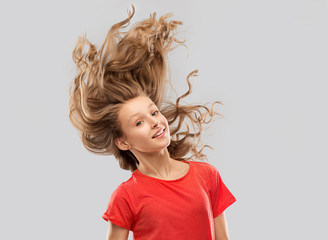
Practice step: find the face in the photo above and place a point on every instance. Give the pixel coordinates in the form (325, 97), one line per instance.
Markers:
(142, 125)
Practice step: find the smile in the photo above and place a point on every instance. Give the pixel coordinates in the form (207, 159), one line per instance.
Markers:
(160, 133)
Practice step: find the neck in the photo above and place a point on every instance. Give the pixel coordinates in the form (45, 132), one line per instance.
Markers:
(156, 164)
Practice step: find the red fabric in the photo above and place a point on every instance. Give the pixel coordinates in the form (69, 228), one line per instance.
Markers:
(181, 209)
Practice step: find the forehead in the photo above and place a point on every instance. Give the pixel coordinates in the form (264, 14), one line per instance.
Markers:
(134, 106)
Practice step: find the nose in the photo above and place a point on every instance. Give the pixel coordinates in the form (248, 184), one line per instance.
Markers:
(156, 124)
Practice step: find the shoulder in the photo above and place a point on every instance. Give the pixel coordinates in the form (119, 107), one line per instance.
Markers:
(126, 188)
(205, 170)
(121, 191)
(121, 198)
(204, 167)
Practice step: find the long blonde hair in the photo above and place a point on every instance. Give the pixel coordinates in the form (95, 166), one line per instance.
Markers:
(127, 65)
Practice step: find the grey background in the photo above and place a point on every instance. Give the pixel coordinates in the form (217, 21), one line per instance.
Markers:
(265, 60)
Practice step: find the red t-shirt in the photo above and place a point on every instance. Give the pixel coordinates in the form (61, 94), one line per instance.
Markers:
(184, 208)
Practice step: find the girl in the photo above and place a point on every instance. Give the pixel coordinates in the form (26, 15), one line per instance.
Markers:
(117, 103)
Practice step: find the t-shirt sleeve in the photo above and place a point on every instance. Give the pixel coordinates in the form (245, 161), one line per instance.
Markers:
(221, 197)
(119, 209)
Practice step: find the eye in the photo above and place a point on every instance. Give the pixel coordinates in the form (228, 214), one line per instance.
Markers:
(138, 123)
(155, 113)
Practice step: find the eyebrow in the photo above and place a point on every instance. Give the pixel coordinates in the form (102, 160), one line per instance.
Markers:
(139, 113)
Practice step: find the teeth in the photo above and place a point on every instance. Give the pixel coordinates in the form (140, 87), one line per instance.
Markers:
(159, 133)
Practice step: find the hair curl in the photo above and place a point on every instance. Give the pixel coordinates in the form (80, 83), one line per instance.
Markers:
(127, 65)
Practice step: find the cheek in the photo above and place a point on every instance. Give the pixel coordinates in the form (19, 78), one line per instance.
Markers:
(129, 133)
(164, 120)
(140, 132)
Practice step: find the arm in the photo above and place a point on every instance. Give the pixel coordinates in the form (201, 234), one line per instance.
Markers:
(221, 228)
(116, 232)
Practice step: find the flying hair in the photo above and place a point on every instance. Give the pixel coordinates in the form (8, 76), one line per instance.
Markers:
(127, 65)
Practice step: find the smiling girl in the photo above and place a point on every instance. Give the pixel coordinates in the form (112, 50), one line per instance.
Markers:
(117, 102)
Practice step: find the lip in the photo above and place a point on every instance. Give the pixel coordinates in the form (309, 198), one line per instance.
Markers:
(159, 131)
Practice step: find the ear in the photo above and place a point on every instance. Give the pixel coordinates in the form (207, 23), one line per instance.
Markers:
(122, 144)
